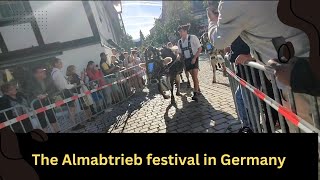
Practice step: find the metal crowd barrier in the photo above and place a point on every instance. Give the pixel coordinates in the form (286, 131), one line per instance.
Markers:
(67, 109)
(10, 115)
(265, 109)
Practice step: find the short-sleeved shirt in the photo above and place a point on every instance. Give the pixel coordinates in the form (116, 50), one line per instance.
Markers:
(195, 45)
(105, 66)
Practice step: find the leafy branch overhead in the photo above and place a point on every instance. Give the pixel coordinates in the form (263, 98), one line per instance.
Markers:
(165, 29)
(126, 42)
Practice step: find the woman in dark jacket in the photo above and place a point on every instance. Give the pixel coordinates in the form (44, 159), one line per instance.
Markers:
(18, 104)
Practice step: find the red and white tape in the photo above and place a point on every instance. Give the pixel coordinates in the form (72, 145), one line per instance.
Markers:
(62, 102)
(292, 117)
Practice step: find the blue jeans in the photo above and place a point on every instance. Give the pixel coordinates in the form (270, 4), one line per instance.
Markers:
(243, 115)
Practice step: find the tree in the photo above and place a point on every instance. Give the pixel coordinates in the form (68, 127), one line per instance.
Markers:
(141, 37)
(177, 13)
(126, 42)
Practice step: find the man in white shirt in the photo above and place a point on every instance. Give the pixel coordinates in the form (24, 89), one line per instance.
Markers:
(66, 88)
(190, 49)
(257, 23)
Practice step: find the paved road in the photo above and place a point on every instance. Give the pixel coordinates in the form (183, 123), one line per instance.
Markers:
(148, 112)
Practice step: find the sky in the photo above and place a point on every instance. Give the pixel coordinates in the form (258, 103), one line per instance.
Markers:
(139, 15)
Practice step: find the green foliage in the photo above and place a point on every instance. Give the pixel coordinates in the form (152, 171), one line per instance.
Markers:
(177, 13)
(126, 42)
(141, 36)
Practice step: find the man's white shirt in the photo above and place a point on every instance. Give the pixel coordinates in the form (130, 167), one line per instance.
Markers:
(195, 45)
(60, 80)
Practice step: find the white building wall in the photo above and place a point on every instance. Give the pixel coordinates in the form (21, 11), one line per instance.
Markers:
(61, 20)
(81, 56)
(102, 21)
(18, 36)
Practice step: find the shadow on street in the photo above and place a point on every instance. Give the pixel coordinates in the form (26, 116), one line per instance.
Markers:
(195, 117)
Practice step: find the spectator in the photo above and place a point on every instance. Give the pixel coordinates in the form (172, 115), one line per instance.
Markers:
(121, 57)
(239, 47)
(13, 99)
(190, 49)
(74, 78)
(109, 73)
(117, 76)
(105, 68)
(135, 61)
(300, 75)
(65, 88)
(114, 52)
(126, 59)
(42, 87)
(235, 18)
(137, 52)
(95, 79)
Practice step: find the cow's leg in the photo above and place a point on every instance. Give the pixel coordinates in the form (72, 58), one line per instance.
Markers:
(161, 91)
(177, 80)
(213, 64)
(187, 75)
(224, 69)
(181, 77)
(171, 89)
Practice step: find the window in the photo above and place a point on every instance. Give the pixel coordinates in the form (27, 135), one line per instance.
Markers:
(10, 9)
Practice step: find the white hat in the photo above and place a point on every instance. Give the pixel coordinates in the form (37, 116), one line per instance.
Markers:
(167, 60)
(174, 48)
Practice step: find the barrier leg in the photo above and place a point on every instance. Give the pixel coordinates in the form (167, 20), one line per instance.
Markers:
(83, 107)
(247, 101)
(52, 113)
(44, 116)
(264, 89)
(233, 92)
(71, 111)
(293, 107)
(262, 111)
(253, 100)
(277, 99)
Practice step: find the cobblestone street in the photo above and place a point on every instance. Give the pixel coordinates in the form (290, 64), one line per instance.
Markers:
(148, 112)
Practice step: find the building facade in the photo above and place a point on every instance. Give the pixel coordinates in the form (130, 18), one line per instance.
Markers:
(74, 31)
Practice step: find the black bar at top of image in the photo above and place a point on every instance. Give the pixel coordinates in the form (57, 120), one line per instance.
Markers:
(300, 152)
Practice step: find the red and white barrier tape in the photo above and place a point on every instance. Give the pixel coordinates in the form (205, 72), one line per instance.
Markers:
(62, 102)
(292, 117)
